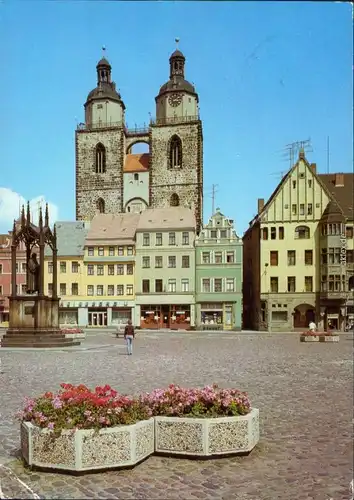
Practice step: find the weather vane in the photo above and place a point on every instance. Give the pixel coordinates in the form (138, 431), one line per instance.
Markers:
(103, 50)
(177, 42)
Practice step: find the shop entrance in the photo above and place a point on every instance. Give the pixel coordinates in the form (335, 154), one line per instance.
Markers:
(97, 318)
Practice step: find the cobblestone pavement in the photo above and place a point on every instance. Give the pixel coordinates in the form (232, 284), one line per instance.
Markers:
(304, 392)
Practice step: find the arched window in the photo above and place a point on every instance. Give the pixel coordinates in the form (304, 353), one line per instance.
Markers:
(302, 233)
(174, 200)
(100, 205)
(100, 159)
(175, 152)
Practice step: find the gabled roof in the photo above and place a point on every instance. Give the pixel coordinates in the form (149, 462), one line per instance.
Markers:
(136, 163)
(343, 194)
(302, 157)
(112, 229)
(166, 219)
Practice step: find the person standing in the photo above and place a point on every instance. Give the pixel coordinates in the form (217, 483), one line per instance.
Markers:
(129, 335)
(312, 326)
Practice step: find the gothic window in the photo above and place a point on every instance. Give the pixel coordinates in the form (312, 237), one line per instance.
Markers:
(100, 159)
(174, 200)
(100, 205)
(175, 152)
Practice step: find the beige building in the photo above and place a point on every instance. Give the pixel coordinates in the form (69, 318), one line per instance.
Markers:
(165, 268)
(297, 253)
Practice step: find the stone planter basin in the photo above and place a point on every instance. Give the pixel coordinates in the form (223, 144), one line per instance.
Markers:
(309, 338)
(75, 335)
(85, 450)
(329, 338)
(205, 437)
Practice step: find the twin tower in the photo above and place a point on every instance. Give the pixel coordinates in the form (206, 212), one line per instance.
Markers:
(109, 179)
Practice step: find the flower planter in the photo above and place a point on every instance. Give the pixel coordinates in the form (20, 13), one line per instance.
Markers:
(309, 338)
(84, 450)
(204, 437)
(329, 338)
(75, 335)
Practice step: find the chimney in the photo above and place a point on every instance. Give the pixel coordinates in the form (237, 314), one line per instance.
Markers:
(314, 168)
(339, 180)
(260, 205)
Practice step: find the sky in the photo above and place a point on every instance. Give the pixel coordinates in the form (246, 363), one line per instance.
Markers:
(267, 74)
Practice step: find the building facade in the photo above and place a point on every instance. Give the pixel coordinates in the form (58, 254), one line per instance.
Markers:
(70, 274)
(5, 275)
(287, 281)
(218, 275)
(165, 269)
(173, 169)
(109, 261)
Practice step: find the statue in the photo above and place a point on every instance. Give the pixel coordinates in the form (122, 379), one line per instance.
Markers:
(33, 267)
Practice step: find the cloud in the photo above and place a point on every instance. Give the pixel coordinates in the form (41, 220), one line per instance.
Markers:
(10, 206)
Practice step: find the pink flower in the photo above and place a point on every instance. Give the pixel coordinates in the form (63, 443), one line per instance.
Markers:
(50, 425)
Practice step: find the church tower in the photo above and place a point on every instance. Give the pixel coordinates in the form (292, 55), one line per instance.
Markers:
(176, 144)
(100, 149)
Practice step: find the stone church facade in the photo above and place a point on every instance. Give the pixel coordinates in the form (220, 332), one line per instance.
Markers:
(109, 179)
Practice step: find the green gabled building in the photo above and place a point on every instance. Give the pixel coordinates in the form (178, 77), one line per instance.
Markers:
(218, 276)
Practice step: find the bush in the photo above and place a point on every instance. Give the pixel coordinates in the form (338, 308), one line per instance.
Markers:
(310, 333)
(78, 407)
(211, 401)
(71, 330)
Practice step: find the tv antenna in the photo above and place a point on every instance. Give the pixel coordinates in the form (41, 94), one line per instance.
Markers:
(291, 151)
(214, 190)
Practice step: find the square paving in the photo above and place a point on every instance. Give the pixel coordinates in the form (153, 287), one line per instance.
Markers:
(304, 392)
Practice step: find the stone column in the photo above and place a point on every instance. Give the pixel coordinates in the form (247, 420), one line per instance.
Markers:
(55, 274)
(41, 269)
(109, 316)
(13, 271)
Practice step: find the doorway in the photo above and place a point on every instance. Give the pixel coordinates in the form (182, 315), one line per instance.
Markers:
(165, 316)
(98, 318)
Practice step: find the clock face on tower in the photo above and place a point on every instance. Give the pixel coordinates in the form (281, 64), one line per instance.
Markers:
(175, 100)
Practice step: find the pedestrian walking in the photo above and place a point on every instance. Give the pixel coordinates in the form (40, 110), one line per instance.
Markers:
(129, 335)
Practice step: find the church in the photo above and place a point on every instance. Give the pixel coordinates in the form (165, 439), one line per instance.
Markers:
(110, 179)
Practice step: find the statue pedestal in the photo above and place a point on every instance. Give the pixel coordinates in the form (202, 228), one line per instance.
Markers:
(34, 322)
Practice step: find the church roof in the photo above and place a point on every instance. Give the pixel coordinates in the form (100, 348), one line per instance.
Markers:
(177, 53)
(103, 62)
(103, 91)
(136, 163)
(180, 84)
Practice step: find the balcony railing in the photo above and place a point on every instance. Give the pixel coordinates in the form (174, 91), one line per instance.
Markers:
(174, 120)
(144, 130)
(138, 130)
(99, 125)
(335, 295)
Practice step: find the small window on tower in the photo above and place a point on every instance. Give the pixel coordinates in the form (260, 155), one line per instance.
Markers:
(174, 200)
(175, 152)
(100, 205)
(100, 159)
(136, 177)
